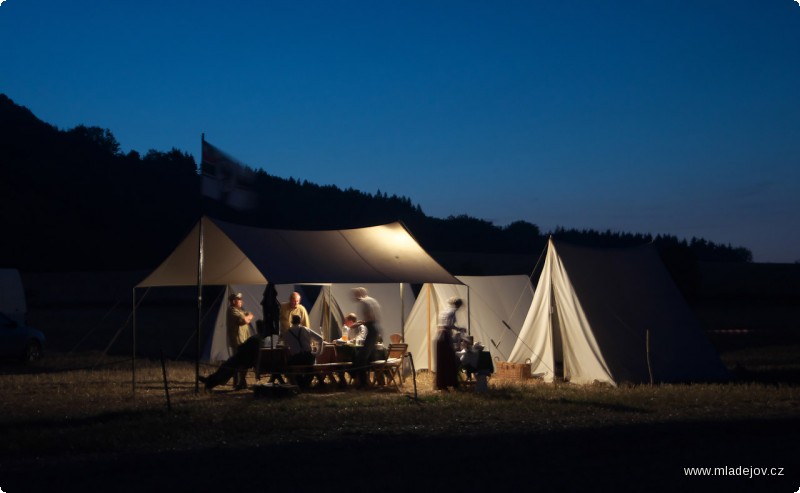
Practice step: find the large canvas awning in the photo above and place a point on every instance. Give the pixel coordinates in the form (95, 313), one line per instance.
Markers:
(236, 254)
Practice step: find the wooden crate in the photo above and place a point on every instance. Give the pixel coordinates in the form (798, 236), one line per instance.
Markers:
(512, 371)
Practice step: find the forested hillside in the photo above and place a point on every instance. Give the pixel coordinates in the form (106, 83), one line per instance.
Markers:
(71, 200)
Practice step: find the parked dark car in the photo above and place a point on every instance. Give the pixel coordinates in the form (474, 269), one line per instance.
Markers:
(19, 342)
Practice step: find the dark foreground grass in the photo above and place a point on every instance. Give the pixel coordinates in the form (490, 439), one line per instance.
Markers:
(84, 431)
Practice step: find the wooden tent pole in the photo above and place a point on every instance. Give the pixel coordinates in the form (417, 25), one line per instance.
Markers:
(469, 314)
(402, 315)
(430, 363)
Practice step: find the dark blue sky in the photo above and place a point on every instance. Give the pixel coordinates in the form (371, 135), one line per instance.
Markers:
(678, 117)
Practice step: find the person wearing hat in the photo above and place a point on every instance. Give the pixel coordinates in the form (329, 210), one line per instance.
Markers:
(238, 325)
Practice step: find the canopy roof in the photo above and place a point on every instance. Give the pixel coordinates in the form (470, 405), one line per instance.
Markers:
(236, 254)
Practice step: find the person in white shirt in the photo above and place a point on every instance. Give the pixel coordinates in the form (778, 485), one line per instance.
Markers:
(298, 339)
(352, 331)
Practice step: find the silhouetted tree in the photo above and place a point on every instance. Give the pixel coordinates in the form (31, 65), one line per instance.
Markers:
(102, 138)
(85, 205)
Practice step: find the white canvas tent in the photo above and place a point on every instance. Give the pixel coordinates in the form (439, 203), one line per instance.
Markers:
(612, 315)
(221, 253)
(216, 347)
(493, 312)
(336, 300)
(333, 302)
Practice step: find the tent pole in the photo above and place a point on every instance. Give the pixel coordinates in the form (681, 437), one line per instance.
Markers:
(430, 363)
(402, 315)
(133, 345)
(469, 314)
(326, 313)
(199, 306)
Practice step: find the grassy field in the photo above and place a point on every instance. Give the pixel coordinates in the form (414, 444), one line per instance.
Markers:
(85, 430)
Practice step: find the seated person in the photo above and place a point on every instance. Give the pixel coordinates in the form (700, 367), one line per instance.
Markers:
(459, 335)
(352, 331)
(469, 356)
(243, 359)
(298, 339)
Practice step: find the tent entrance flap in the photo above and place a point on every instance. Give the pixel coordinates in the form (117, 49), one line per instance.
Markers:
(557, 337)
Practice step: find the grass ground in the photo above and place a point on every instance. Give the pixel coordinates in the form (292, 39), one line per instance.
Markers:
(85, 430)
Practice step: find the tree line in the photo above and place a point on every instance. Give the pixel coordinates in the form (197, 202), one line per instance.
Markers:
(72, 200)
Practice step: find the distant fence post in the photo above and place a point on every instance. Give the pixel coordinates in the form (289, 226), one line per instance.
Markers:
(647, 350)
(133, 344)
(166, 386)
(413, 376)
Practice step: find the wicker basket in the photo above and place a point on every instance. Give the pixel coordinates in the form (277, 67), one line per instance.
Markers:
(512, 371)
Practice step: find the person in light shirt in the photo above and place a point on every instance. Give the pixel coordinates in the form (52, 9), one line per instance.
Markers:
(289, 309)
(352, 331)
(238, 325)
(371, 316)
(299, 339)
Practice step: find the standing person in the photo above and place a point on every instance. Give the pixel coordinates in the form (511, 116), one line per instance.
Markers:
(301, 352)
(446, 362)
(238, 325)
(371, 318)
(270, 325)
(290, 308)
(271, 309)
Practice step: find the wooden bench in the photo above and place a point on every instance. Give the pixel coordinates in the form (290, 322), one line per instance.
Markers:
(321, 371)
(274, 361)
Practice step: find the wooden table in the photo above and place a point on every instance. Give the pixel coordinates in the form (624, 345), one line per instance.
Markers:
(274, 361)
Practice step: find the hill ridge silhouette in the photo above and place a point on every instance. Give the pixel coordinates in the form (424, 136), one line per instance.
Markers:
(71, 200)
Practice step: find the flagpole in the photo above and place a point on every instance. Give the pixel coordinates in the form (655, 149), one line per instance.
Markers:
(199, 305)
(199, 282)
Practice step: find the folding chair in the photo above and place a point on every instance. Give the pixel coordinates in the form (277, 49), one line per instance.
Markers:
(392, 366)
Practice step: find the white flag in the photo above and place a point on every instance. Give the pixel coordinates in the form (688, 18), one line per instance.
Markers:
(226, 180)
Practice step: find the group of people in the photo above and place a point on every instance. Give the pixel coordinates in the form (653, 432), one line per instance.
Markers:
(455, 350)
(302, 343)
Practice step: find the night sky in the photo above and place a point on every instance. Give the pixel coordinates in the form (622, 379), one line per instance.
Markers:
(676, 117)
